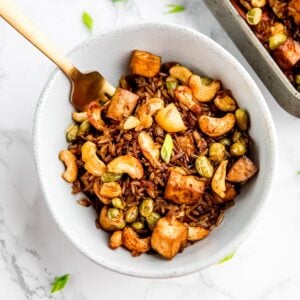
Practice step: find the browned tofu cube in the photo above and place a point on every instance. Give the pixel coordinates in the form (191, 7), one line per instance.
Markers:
(243, 169)
(144, 63)
(183, 189)
(169, 237)
(288, 54)
(122, 104)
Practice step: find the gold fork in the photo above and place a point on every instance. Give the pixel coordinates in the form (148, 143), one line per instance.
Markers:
(85, 87)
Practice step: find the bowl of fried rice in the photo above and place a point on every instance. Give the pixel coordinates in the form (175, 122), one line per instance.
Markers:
(170, 174)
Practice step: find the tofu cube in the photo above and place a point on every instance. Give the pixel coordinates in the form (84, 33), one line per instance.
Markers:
(122, 104)
(288, 54)
(242, 170)
(169, 237)
(183, 189)
(144, 63)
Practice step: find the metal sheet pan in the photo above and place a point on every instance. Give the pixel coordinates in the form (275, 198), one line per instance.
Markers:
(258, 57)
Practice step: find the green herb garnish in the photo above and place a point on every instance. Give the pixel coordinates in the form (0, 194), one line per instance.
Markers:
(174, 8)
(59, 283)
(167, 148)
(88, 21)
(226, 258)
(119, 1)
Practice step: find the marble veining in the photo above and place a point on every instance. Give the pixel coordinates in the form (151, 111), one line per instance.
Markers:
(33, 250)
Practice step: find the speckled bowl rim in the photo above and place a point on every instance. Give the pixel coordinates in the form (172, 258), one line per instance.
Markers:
(198, 265)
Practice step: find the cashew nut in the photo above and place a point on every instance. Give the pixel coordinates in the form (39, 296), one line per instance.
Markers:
(215, 127)
(133, 243)
(115, 240)
(149, 148)
(79, 116)
(147, 110)
(230, 194)
(110, 190)
(181, 73)
(197, 233)
(94, 115)
(169, 119)
(131, 122)
(218, 181)
(185, 96)
(202, 92)
(225, 102)
(126, 164)
(97, 188)
(92, 163)
(111, 224)
(69, 159)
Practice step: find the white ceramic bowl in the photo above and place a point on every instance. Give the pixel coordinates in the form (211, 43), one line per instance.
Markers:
(109, 53)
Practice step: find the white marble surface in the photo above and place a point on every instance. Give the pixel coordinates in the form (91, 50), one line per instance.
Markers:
(33, 250)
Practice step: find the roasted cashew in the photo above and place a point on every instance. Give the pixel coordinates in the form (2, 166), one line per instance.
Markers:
(69, 159)
(79, 117)
(97, 188)
(218, 181)
(110, 224)
(126, 164)
(230, 194)
(147, 110)
(201, 91)
(215, 127)
(182, 73)
(149, 148)
(92, 163)
(225, 102)
(110, 190)
(94, 115)
(115, 240)
(132, 242)
(185, 96)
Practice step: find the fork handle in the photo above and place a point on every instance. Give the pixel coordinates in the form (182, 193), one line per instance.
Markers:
(14, 16)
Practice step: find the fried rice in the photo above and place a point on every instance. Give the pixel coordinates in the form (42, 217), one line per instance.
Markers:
(113, 141)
